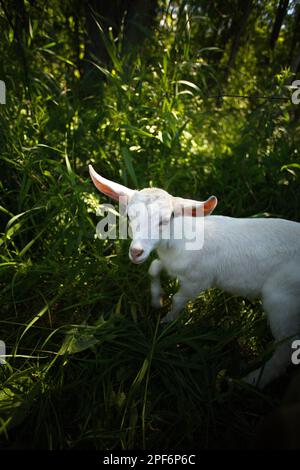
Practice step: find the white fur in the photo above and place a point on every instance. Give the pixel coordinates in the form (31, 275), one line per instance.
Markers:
(253, 258)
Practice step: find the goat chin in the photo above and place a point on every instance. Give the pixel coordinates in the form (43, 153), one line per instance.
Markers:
(138, 261)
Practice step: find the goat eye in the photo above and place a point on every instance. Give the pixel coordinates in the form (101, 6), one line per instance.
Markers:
(166, 221)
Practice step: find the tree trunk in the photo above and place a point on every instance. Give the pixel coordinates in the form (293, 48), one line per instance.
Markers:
(245, 8)
(137, 16)
(296, 33)
(280, 14)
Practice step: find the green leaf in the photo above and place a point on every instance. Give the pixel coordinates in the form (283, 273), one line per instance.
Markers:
(290, 165)
(138, 131)
(68, 165)
(129, 166)
(189, 84)
(40, 314)
(16, 217)
(77, 340)
(29, 244)
(185, 92)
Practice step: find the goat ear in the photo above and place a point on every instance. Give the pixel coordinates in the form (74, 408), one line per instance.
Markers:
(194, 208)
(109, 188)
(210, 204)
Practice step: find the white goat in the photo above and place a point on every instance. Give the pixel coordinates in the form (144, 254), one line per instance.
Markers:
(254, 258)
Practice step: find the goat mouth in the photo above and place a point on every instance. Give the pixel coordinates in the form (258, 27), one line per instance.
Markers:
(138, 260)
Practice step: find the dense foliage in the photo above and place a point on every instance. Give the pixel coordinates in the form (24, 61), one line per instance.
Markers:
(194, 97)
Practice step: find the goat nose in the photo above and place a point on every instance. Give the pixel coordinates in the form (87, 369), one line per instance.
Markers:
(136, 252)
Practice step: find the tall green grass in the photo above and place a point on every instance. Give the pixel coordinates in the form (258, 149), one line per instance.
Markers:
(89, 365)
